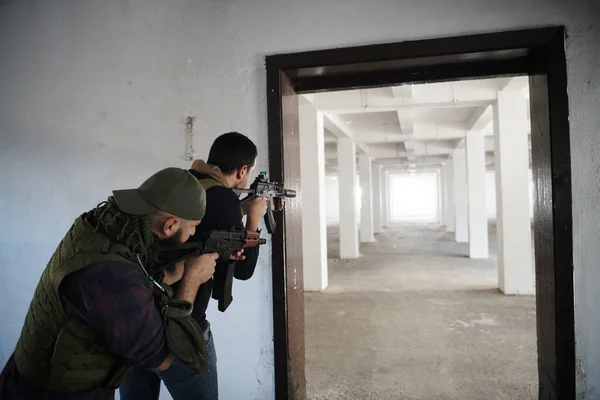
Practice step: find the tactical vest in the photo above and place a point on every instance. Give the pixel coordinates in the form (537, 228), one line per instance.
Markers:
(208, 183)
(64, 355)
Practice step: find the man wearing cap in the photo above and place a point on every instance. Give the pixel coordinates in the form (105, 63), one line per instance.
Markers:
(94, 313)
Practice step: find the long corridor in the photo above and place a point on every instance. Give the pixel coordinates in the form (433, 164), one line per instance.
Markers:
(415, 319)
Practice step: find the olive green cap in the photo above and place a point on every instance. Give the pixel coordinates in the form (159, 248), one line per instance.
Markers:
(171, 190)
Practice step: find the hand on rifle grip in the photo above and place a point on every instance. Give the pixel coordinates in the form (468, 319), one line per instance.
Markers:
(277, 203)
(201, 268)
(255, 208)
(237, 256)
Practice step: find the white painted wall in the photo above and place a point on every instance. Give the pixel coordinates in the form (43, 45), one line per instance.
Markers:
(93, 95)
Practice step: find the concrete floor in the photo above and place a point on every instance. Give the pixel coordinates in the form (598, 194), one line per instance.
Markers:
(413, 318)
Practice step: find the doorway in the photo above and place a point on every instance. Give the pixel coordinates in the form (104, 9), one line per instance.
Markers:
(538, 53)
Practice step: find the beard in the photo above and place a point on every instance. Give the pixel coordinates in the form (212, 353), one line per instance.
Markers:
(168, 248)
(171, 242)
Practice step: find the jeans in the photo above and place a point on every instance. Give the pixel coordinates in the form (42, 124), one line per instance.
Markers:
(182, 382)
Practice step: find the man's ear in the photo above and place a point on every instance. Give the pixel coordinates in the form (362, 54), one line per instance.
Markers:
(241, 172)
(171, 226)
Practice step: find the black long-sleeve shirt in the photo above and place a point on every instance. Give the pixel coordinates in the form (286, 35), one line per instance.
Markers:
(223, 211)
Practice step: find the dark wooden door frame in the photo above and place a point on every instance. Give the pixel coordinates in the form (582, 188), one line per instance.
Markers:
(539, 53)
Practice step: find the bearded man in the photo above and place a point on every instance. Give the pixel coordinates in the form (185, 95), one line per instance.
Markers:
(99, 308)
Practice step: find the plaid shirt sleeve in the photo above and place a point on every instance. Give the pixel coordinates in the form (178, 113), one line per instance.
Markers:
(116, 298)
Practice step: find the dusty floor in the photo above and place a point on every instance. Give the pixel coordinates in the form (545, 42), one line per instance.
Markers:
(413, 318)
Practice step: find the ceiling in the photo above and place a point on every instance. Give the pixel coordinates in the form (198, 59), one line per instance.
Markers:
(416, 125)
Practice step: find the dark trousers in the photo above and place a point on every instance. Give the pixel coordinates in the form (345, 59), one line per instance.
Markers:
(182, 382)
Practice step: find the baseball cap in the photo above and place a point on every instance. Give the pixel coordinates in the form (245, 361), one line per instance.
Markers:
(171, 190)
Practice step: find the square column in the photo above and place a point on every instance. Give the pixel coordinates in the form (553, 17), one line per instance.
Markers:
(314, 224)
(366, 212)
(377, 213)
(441, 195)
(348, 202)
(449, 175)
(515, 265)
(461, 208)
(385, 198)
(478, 222)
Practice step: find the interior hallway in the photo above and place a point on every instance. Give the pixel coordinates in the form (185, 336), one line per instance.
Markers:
(413, 318)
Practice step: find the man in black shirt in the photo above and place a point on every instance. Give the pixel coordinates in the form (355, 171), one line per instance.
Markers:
(230, 163)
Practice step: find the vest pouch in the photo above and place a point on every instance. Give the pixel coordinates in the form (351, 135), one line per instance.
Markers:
(80, 360)
(184, 337)
(118, 370)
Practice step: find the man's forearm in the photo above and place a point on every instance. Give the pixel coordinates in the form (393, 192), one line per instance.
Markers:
(187, 290)
(252, 224)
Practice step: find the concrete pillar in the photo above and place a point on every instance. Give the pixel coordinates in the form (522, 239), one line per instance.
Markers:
(515, 266)
(385, 198)
(314, 225)
(478, 223)
(348, 204)
(449, 175)
(377, 214)
(461, 209)
(441, 196)
(366, 212)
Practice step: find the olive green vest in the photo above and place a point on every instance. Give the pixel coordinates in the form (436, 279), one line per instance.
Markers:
(64, 355)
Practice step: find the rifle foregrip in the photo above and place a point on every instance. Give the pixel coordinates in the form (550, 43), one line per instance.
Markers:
(270, 220)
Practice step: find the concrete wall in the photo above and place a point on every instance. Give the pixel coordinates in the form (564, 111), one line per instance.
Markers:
(93, 95)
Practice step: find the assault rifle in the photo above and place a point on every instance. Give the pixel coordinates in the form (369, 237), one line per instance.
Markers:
(271, 190)
(214, 241)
